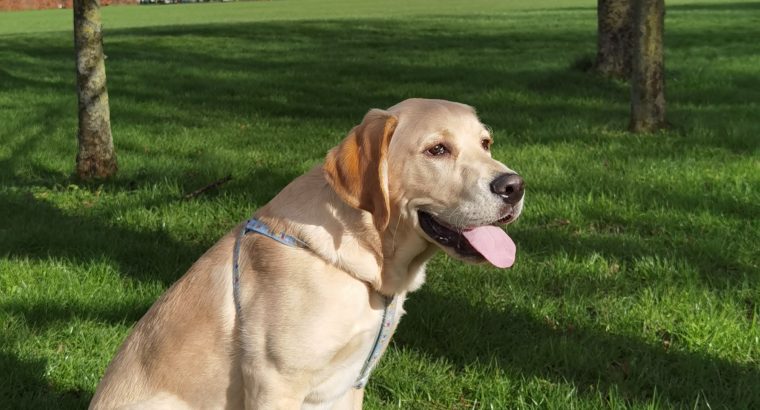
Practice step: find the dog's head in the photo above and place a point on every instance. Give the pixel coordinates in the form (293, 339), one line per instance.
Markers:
(430, 163)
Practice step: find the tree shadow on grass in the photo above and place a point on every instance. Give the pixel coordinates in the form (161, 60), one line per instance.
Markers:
(314, 71)
(23, 387)
(24, 384)
(594, 361)
(32, 228)
(714, 270)
(41, 315)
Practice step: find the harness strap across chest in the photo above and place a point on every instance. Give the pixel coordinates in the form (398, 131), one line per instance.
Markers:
(390, 303)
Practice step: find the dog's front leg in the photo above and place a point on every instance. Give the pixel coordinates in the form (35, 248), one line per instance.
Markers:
(352, 400)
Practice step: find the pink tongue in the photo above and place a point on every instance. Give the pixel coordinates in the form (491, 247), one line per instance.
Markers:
(494, 244)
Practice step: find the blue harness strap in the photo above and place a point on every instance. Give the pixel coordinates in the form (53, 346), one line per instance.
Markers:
(256, 226)
(381, 341)
(390, 303)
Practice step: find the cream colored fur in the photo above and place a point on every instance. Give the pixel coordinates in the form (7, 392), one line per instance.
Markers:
(309, 316)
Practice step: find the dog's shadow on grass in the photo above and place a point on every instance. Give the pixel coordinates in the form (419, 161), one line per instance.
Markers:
(594, 361)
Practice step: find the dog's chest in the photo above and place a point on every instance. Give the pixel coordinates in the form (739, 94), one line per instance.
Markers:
(352, 365)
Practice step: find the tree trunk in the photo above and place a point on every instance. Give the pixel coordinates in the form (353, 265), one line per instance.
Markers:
(614, 38)
(96, 158)
(648, 77)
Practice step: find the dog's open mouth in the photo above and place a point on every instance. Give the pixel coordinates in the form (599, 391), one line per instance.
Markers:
(488, 241)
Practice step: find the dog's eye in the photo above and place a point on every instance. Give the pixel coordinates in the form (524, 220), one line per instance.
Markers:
(486, 143)
(437, 150)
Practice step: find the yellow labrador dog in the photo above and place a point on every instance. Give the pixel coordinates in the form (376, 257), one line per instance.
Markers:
(293, 309)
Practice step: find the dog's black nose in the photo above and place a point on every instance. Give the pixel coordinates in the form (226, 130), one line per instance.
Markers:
(509, 187)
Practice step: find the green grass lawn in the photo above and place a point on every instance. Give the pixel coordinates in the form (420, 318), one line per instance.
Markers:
(637, 283)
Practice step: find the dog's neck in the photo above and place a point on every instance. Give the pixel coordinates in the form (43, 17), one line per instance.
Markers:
(392, 262)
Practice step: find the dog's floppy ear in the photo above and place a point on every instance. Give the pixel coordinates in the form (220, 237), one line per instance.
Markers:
(357, 169)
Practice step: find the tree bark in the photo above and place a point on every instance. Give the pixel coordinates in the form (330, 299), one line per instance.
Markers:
(648, 77)
(614, 38)
(96, 158)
